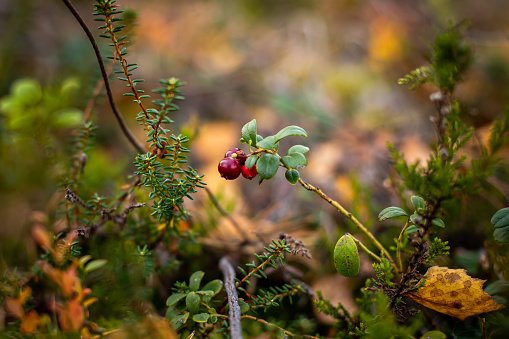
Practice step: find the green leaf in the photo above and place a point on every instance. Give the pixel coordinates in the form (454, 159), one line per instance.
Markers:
(294, 159)
(179, 320)
(298, 149)
(175, 298)
(251, 160)
(501, 234)
(205, 293)
(193, 302)
(292, 176)
(497, 287)
(346, 256)
(249, 132)
(195, 280)
(244, 307)
(267, 165)
(96, 264)
(411, 229)
(501, 218)
(201, 317)
(267, 143)
(416, 219)
(434, 335)
(289, 131)
(438, 222)
(418, 202)
(214, 286)
(68, 118)
(391, 212)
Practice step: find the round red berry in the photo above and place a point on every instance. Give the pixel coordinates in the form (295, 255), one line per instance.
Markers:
(229, 168)
(238, 154)
(249, 173)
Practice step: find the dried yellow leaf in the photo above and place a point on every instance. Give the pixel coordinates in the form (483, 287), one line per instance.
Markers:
(455, 293)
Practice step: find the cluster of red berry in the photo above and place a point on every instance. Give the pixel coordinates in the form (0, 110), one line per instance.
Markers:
(234, 163)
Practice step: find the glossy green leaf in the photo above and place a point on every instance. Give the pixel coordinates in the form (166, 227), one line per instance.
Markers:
(501, 234)
(215, 286)
(391, 212)
(438, 222)
(205, 293)
(193, 302)
(249, 132)
(497, 287)
(294, 159)
(501, 218)
(418, 202)
(267, 143)
(244, 307)
(175, 298)
(346, 256)
(289, 131)
(434, 335)
(411, 229)
(179, 320)
(251, 160)
(267, 165)
(201, 317)
(298, 149)
(195, 280)
(416, 219)
(292, 176)
(95, 265)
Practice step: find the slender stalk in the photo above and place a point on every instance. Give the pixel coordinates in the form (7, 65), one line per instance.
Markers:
(123, 126)
(349, 215)
(400, 240)
(376, 257)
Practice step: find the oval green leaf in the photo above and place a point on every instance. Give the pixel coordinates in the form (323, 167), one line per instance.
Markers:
(175, 298)
(292, 176)
(267, 165)
(215, 286)
(195, 280)
(193, 302)
(298, 149)
(411, 229)
(179, 320)
(244, 307)
(346, 256)
(294, 159)
(434, 335)
(416, 219)
(289, 131)
(267, 143)
(96, 264)
(418, 202)
(501, 218)
(249, 132)
(251, 160)
(438, 222)
(501, 234)
(201, 317)
(391, 212)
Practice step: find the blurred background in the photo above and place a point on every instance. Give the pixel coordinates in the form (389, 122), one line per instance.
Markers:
(328, 66)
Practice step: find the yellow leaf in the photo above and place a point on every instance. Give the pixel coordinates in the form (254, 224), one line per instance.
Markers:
(455, 293)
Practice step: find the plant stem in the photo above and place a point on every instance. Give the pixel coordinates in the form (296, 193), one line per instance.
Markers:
(233, 300)
(400, 240)
(139, 147)
(349, 215)
(376, 257)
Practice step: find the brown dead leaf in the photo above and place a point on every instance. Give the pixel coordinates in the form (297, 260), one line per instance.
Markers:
(455, 293)
(14, 307)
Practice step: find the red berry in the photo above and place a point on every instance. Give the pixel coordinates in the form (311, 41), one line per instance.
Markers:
(238, 154)
(249, 173)
(229, 168)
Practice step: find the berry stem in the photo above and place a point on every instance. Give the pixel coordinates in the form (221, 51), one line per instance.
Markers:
(349, 215)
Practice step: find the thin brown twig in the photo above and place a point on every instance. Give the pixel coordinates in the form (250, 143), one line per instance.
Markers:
(123, 126)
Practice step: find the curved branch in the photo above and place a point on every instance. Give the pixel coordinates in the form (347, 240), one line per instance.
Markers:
(139, 147)
(233, 300)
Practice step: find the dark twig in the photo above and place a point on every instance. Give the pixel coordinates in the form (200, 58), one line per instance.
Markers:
(139, 147)
(233, 299)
